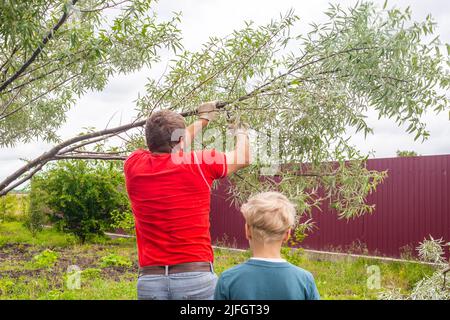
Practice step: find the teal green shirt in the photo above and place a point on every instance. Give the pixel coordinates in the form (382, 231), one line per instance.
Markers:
(266, 280)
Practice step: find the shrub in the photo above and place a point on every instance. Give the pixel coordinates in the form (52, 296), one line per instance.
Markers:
(123, 220)
(114, 260)
(35, 217)
(13, 206)
(7, 205)
(81, 195)
(6, 286)
(45, 259)
(405, 153)
(91, 273)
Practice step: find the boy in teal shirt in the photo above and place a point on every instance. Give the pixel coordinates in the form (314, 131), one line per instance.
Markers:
(269, 217)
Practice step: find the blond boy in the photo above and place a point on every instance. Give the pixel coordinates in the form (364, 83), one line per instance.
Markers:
(269, 218)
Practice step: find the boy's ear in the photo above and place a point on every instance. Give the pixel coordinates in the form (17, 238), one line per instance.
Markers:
(248, 233)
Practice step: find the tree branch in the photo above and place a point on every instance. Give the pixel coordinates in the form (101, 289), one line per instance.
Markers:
(256, 52)
(4, 116)
(88, 156)
(38, 50)
(24, 179)
(47, 156)
(57, 152)
(8, 60)
(28, 81)
(6, 106)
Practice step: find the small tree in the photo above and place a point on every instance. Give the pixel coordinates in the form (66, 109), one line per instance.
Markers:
(404, 153)
(82, 195)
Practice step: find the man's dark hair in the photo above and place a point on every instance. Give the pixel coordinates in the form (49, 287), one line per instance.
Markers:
(159, 128)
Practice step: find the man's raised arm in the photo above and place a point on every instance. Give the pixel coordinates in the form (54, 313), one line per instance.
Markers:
(207, 112)
(236, 159)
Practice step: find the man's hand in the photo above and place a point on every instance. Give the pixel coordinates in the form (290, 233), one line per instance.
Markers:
(208, 111)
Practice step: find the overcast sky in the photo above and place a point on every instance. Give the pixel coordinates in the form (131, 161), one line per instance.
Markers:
(204, 18)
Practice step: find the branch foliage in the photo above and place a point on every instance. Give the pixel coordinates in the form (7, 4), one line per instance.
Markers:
(62, 49)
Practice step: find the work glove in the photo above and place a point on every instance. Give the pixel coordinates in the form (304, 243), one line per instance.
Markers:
(208, 110)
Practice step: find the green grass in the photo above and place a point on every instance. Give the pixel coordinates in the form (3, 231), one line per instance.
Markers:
(348, 279)
(14, 232)
(36, 268)
(342, 279)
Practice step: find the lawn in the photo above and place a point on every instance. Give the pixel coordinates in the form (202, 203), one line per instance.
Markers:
(36, 268)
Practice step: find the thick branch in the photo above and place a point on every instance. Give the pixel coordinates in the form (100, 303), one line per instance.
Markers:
(54, 151)
(24, 178)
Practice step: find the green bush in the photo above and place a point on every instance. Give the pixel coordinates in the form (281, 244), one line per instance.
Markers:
(123, 220)
(15, 233)
(45, 259)
(35, 217)
(13, 206)
(7, 205)
(81, 195)
(6, 286)
(91, 273)
(114, 260)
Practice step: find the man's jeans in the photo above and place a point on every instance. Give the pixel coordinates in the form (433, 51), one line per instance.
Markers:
(177, 286)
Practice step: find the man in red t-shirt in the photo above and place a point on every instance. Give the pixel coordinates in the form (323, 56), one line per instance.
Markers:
(170, 191)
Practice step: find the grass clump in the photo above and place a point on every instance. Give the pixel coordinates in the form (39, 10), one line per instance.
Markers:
(45, 259)
(115, 260)
(15, 232)
(91, 273)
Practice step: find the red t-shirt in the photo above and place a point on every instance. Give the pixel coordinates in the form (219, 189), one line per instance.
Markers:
(170, 200)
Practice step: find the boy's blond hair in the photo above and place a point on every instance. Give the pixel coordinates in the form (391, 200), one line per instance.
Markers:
(269, 215)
